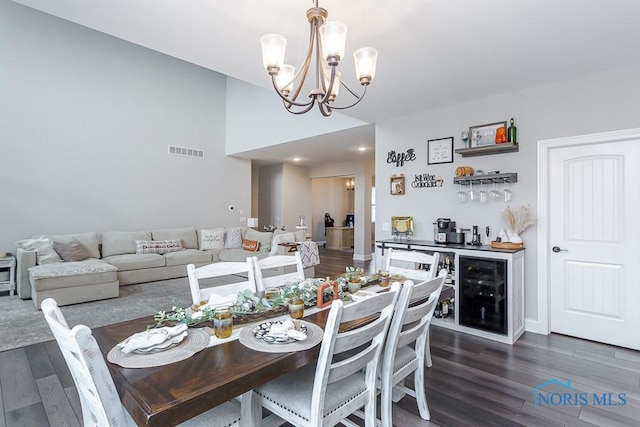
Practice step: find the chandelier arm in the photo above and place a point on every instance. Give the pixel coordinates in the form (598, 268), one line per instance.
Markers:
(359, 98)
(285, 99)
(304, 68)
(304, 110)
(325, 109)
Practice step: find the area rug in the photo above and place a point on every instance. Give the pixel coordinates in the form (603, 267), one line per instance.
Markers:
(21, 324)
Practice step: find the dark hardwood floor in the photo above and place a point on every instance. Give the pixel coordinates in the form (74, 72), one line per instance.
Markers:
(473, 381)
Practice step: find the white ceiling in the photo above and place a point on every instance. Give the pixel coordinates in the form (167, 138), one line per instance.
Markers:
(432, 53)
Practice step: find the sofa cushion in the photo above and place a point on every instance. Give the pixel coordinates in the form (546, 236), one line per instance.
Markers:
(72, 251)
(215, 254)
(45, 254)
(187, 256)
(122, 242)
(233, 238)
(68, 274)
(212, 238)
(158, 246)
(187, 235)
(238, 255)
(264, 237)
(126, 262)
(89, 240)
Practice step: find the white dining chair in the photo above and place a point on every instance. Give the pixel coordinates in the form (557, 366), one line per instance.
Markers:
(405, 347)
(221, 269)
(324, 394)
(412, 264)
(101, 405)
(269, 272)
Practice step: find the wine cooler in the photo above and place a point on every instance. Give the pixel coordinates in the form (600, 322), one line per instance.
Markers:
(483, 293)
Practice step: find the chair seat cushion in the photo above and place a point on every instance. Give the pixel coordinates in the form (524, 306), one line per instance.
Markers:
(294, 390)
(404, 356)
(239, 255)
(128, 262)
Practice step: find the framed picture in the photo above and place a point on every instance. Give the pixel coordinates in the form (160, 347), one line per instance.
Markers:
(485, 134)
(397, 185)
(440, 150)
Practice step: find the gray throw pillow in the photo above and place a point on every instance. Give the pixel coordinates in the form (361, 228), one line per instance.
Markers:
(71, 251)
(233, 238)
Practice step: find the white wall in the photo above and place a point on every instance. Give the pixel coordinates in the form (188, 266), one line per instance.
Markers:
(270, 195)
(595, 103)
(85, 120)
(296, 197)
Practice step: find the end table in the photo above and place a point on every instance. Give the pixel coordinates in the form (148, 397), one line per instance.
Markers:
(8, 263)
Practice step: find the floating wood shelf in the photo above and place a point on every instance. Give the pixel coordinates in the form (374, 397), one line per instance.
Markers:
(487, 178)
(507, 147)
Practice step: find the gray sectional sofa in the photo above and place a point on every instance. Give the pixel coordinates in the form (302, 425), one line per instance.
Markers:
(115, 258)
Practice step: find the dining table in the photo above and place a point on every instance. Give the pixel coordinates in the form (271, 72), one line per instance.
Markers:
(173, 393)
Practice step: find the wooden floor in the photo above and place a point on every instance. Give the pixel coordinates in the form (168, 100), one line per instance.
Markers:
(473, 382)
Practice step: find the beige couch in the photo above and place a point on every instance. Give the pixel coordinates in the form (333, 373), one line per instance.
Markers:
(114, 258)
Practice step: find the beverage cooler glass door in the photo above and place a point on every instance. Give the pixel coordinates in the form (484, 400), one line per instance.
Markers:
(483, 294)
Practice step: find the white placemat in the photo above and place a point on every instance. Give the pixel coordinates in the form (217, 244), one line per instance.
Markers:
(196, 340)
(314, 336)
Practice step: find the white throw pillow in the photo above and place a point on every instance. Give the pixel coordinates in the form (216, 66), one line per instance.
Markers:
(212, 239)
(281, 238)
(45, 254)
(233, 238)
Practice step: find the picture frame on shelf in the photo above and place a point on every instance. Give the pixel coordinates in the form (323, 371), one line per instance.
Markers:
(483, 135)
(440, 150)
(397, 185)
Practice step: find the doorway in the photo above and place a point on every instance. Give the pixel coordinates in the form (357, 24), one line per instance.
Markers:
(589, 200)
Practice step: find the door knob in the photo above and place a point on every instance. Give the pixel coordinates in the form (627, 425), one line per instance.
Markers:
(557, 249)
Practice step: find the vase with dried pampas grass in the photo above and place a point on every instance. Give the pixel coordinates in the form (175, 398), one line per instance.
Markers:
(518, 220)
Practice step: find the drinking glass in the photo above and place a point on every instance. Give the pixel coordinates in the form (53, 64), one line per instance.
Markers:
(473, 194)
(296, 307)
(495, 194)
(462, 194)
(222, 322)
(507, 192)
(483, 195)
(271, 293)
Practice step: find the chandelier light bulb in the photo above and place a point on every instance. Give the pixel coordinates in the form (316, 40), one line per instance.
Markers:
(273, 49)
(366, 59)
(333, 36)
(285, 78)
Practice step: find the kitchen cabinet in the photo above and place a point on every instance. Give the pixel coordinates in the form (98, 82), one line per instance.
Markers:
(486, 284)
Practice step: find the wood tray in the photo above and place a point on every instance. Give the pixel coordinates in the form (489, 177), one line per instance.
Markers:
(506, 245)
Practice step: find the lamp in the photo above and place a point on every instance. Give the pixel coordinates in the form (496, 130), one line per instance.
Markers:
(326, 48)
(350, 184)
(252, 222)
(302, 226)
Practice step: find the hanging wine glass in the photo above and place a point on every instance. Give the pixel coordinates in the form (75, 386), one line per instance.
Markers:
(462, 194)
(483, 195)
(495, 194)
(473, 194)
(506, 191)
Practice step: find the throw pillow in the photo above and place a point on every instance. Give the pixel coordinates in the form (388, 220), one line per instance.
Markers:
(264, 237)
(212, 239)
(72, 251)
(250, 245)
(281, 238)
(158, 246)
(233, 238)
(45, 254)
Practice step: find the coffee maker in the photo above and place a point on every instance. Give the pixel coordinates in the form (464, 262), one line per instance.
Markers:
(475, 238)
(445, 231)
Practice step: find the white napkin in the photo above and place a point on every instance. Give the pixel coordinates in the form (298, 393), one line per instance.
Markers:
(216, 300)
(286, 328)
(153, 338)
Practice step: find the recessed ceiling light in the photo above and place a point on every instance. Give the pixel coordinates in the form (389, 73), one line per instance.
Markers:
(362, 148)
(296, 159)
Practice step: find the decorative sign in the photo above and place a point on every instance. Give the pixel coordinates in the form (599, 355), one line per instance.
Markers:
(427, 180)
(400, 158)
(440, 150)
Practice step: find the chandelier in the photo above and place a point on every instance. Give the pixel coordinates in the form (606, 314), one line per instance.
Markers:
(327, 41)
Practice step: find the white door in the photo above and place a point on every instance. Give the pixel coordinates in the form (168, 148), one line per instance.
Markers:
(594, 240)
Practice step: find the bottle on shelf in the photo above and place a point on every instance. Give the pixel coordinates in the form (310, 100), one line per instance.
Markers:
(512, 132)
(445, 308)
(438, 310)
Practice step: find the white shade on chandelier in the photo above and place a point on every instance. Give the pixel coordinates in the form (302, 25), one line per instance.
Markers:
(326, 49)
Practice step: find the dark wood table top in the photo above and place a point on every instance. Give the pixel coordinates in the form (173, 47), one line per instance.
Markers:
(167, 395)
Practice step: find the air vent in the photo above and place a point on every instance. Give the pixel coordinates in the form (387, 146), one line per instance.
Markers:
(188, 152)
